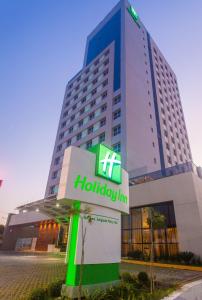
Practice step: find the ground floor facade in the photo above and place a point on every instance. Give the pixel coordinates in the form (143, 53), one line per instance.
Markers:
(178, 198)
(32, 232)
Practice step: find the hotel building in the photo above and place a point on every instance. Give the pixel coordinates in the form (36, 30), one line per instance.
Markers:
(126, 95)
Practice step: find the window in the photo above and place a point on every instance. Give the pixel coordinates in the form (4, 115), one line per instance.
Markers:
(67, 104)
(91, 116)
(80, 123)
(78, 137)
(117, 147)
(169, 159)
(96, 71)
(90, 129)
(65, 114)
(72, 118)
(106, 62)
(93, 103)
(105, 83)
(104, 107)
(96, 62)
(68, 143)
(54, 174)
(53, 189)
(104, 95)
(102, 137)
(61, 135)
(75, 97)
(70, 86)
(93, 92)
(74, 107)
(105, 72)
(117, 99)
(71, 129)
(59, 148)
(116, 130)
(57, 160)
(83, 100)
(102, 122)
(89, 144)
(82, 111)
(163, 111)
(154, 160)
(63, 124)
(116, 114)
(95, 81)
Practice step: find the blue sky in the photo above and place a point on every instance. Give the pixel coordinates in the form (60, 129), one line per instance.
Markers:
(42, 47)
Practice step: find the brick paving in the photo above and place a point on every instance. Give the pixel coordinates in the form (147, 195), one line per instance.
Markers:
(20, 274)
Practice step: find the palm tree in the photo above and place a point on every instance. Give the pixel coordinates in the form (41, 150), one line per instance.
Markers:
(155, 220)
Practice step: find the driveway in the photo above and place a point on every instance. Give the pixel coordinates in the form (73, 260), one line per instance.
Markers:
(20, 274)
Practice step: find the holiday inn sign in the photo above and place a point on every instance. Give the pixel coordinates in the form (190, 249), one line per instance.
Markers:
(93, 179)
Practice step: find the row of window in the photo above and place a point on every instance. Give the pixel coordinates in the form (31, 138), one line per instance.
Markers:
(88, 88)
(84, 86)
(68, 111)
(164, 66)
(116, 130)
(82, 134)
(91, 116)
(84, 121)
(83, 110)
(90, 68)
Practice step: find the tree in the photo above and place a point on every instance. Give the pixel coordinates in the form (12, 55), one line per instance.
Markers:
(84, 214)
(155, 220)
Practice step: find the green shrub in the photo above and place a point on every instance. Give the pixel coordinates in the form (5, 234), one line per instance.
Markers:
(127, 277)
(54, 289)
(186, 256)
(38, 294)
(137, 254)
(143, 278)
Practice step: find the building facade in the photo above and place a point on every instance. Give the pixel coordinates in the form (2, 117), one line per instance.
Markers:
(126, 96)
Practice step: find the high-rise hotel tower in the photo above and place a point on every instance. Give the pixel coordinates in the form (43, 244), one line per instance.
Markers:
(126, 95)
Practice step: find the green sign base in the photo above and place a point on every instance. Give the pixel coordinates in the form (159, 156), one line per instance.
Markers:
(72, 291)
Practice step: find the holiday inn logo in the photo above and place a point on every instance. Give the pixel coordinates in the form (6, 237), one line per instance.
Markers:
(108, 164)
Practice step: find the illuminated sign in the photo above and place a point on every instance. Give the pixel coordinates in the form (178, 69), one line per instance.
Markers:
(108, 163)
(133, 14)
(95, 180)
(101, 189)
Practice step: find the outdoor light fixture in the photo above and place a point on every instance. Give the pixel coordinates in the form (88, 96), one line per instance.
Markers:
(37, 210)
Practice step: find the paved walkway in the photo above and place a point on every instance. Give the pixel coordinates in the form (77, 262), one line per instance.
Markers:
(20, 274)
